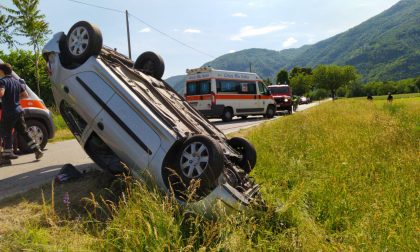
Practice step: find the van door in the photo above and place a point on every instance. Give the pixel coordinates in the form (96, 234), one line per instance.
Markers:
(250, 103)
(264, 97)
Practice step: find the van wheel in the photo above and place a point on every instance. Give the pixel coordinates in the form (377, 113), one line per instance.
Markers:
(200, 159)
(151, 64)
(38, 132)
(227, 115)
(82, 41)
(245, 148)
(270, 112)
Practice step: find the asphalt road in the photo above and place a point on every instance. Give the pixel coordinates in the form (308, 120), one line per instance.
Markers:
(25, 173)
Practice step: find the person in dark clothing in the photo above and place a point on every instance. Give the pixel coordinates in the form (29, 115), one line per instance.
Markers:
(11, 92)
(390, 97)
(369, 97)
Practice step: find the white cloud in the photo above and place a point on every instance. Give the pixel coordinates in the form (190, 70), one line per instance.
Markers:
(239, 14)
(190, 30)
(147, 29)
(232, 51)
(289, 42)
(250, 31)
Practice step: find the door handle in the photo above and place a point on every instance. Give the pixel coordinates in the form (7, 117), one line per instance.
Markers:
(101, 126)
(66, 89)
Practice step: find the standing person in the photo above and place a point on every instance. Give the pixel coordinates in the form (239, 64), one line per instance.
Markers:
(11, 91)
(390, 98)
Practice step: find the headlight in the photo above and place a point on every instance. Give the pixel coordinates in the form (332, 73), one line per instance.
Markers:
(286, 100)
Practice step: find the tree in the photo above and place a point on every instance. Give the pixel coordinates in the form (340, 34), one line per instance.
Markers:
(331, 77)
(6, 35)
(300, 70)
(267, 82)
(282, 77)
(31, 24)
(301, 84)
(22, 62)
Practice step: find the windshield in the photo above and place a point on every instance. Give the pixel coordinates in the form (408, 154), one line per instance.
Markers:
(279, 90)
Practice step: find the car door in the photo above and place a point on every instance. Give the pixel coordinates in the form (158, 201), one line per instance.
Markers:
(86, 93)
(126, 132)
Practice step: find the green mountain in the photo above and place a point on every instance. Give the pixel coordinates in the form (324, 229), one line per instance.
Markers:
(385, 47)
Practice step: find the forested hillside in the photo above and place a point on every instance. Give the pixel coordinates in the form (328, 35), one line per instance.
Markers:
(385, 47)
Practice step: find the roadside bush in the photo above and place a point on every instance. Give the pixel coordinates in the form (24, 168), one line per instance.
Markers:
(395, 87)
(318, 94)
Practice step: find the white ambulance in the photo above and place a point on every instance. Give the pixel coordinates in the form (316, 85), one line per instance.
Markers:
(225, 94)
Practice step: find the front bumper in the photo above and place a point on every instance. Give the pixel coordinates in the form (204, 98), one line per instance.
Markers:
(284, 105)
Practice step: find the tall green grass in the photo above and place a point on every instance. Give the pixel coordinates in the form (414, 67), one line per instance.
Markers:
(62, 131)
(341, 176)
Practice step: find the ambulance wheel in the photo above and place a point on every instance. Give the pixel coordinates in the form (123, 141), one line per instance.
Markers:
(245, 148)
(271, 111)
(227, 115)
(199, 160)
(82, 41)
(151, 64)
(38, 132)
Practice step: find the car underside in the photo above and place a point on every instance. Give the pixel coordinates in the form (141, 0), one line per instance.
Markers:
(199, 151)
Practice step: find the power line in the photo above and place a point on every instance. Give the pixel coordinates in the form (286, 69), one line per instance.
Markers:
(169, 36)
(145, 23)
(96, 6)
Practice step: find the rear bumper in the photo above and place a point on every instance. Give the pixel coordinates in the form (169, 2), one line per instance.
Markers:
(215, 111)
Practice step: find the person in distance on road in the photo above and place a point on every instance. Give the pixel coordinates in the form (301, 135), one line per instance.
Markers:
(11, 92)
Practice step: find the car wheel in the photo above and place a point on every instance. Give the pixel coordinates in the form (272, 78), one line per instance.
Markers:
(200, 159)
(270, 112)
(38, 132)
(227, 115)
(151, 64)
(245, 148)
(82, 41)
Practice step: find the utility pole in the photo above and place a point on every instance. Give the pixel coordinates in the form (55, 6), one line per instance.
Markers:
(250, 67)
(128, 33)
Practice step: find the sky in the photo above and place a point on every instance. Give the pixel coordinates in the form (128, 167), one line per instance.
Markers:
(189, 33)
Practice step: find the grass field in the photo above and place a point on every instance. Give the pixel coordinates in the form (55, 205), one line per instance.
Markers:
(62, 131)
(340, 176)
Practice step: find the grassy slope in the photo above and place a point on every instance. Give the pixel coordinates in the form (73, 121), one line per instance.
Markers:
(62, 131)
(340, 176)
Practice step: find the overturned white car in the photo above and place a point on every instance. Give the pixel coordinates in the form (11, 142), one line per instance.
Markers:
(121, 111)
